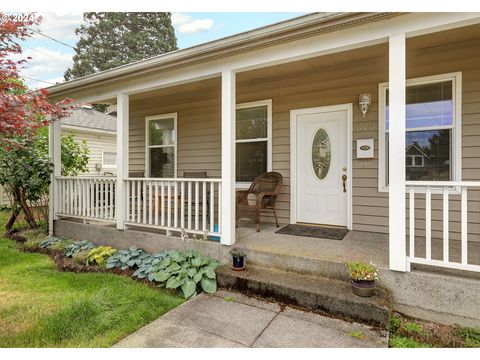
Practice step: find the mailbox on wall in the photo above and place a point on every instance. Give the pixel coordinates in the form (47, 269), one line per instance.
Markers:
(365, 149)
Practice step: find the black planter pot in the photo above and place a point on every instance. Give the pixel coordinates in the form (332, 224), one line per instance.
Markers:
(363, 288)
(238, 263)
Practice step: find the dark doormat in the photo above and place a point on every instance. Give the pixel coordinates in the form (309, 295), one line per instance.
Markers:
(323, 232)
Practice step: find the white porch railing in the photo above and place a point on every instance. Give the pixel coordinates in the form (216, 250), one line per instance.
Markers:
(87, 197)
(451, 200)
(175, 204)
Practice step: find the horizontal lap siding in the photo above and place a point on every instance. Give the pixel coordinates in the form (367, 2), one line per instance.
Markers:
(334, 81)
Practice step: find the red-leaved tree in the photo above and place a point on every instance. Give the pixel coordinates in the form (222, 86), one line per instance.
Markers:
(24, 169)
(22, 111)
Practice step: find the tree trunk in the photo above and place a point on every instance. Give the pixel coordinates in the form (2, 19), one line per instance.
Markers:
(32, 223)
(13, 218)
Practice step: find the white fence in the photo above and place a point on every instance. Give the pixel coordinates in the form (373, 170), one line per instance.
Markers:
(451, 220)
(175, 204)
(88, 197)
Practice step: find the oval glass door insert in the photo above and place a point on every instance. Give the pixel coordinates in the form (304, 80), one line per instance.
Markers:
(321, 153)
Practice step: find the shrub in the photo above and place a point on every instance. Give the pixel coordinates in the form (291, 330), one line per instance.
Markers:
(187, 271)
(32, 244)
(99, 255)
(362, 271)
(147, 265)
(35, 234)
(76, 247)
(127, 259)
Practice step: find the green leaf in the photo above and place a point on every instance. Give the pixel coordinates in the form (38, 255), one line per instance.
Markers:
(174, 282)
(213, 264)
(191, 272)
(197, 277)
(188, 288)
(210, 273)
(196, 262)
(208, 285)
(161, 276)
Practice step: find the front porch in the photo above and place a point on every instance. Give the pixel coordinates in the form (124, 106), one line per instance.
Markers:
(198, 111)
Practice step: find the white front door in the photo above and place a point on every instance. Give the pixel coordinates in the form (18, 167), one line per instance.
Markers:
(321, 167)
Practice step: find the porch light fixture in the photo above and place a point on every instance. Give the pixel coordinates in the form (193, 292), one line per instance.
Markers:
(364, 101)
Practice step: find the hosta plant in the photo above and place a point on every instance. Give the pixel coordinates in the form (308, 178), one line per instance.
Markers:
(187, 271)
(127, 259)
(48, 242)
(76, 247)
(99, 255)
(147, 265)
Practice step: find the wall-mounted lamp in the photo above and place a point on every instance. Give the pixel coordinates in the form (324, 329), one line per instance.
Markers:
(364, 101)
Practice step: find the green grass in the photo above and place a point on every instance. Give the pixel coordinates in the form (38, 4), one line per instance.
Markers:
(41, 307)
(397, 341)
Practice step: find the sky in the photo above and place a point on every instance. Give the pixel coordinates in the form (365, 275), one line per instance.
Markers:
(50, 59)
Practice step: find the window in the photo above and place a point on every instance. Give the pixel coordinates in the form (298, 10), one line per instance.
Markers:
(109, 159)
(253, 140)
(433, 130)
(161, 140)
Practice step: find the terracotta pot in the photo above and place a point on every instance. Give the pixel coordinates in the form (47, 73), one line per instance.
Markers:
(363, 288)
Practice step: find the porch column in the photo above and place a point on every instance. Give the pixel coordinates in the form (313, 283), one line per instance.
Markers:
(396, 153)
(228, 158)
(54, 150)
(122, 159)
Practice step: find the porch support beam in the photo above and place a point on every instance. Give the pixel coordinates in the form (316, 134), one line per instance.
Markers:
(54, 149)
(122, 159)
(396, 153)
(228, 158)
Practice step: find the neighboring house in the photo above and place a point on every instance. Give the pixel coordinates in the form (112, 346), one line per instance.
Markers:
(99, 131)
(255, 102)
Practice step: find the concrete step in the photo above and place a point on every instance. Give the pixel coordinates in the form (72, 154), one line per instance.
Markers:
(310, 292)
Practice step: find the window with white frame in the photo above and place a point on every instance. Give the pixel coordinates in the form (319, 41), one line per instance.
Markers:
(433, 129)
(161, 145)
(109, 159)
(253, 140)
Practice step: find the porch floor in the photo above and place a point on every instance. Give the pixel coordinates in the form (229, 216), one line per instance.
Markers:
(357, 245)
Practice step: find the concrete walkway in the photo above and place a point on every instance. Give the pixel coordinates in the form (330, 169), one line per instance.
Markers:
(229, 319)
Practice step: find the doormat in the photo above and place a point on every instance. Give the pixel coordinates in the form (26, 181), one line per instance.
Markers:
(322, 232)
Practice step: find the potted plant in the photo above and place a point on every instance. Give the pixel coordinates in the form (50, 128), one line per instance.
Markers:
(362, 277)
(238, 256)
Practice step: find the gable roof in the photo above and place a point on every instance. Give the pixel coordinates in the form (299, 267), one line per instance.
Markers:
(88, 118)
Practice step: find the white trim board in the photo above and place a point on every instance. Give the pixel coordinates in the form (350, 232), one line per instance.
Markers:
(147, 147)
(293, 156)
(456, 78)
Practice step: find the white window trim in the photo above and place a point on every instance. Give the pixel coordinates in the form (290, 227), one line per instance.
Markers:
(104, 166)
(456, 79)
(147, 136)
(413, 157)
(268, 103)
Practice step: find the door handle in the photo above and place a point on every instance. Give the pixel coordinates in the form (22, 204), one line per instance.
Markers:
(344, 178)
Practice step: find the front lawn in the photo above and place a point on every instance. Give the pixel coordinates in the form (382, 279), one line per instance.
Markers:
(42, 307)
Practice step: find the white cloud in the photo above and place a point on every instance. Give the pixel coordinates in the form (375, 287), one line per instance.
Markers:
(186, 24)
(45, 64)
(60, 26)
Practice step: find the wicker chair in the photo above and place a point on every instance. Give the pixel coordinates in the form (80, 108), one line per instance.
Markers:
(266, 188)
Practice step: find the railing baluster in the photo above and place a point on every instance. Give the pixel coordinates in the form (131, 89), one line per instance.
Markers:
(212, 206)
(196, 205)
(220, 207)
(92, 198)
(175, 204)
(144, 183)
(412, 221)
(139, 199)
(162, 223)
(445, 224)
(189, 207)
(204, 205)
(150, 196)
(428, 222)
(182, 204)
(156, 203)
(464, 226)
(128, 216)
(169, 204)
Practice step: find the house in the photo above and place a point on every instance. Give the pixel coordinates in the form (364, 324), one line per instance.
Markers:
(98, 130)
(255, 102)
